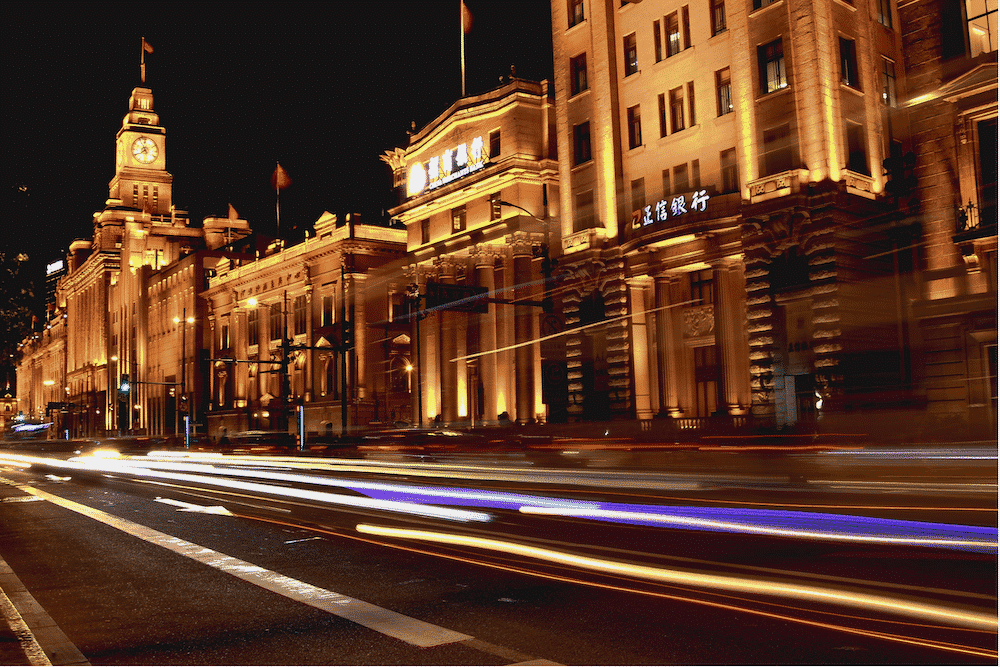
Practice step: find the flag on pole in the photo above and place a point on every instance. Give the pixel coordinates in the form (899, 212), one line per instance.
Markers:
(466, 18)
(280, 179)
(233, 215)
(146, 48)
(464, 25)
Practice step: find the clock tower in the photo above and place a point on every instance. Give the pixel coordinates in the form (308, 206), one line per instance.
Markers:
(141, 179)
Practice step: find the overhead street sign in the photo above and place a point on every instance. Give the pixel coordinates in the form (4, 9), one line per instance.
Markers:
(465, 298)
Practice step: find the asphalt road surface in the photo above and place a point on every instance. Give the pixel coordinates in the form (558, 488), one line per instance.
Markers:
(548, 555)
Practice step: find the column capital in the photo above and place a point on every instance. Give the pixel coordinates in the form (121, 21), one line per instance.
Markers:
(520, 243)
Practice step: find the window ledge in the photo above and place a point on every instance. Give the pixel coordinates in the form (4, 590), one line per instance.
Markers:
(580, 95)
(851, 89)
(575, 27)
(583, 165)
(756, 12)
(848, 5)
(772, 95)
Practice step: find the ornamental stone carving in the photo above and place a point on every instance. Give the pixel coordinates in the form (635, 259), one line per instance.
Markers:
(699, 321)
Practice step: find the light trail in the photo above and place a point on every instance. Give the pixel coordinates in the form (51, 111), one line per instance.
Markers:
(698, 523)
(885, 604)
(113, 466)
(775, 523)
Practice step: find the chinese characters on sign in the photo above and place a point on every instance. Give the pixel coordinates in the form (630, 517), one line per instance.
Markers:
(442, 169)
(665, 209)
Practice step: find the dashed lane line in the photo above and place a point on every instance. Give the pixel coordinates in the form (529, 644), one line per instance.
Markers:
(384, 621)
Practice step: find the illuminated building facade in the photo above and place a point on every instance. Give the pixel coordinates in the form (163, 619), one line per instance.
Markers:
(720, 168)
(321, 297)
(951, 62)
(109, 326)
(479, 199)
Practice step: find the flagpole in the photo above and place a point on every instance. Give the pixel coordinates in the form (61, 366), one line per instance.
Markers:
(461, 31)
(142, 61)
(277, 200)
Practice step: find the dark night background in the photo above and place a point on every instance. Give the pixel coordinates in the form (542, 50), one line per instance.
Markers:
(322, 89)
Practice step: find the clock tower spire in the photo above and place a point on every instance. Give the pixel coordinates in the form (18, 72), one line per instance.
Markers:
(141, 179)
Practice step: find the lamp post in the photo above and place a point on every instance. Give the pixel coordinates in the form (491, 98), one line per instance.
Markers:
(413, 295)
(183, 320)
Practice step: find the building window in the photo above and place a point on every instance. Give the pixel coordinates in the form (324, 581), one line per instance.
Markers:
(982, 17)
(662, 103)
(691, 115)
(849, 64)
(673, 34)
(425, 231)
(657, 41)
(987, 136)
(253, 326)
(666, 183)
(695, 174)
(885, 13)
(575, 12)
(857, 156)
(888, 82)
(702, 292)
(634, 127)
(723, 92)
(277, 330)
(495, 211)
(676, 110)
(681, 183)
(584, 218)
(224, 337)
(718, 10)
(156, 199)
(730, 170)
(328, 317)
(778, 154)
(581, 143)
(495, 143)
(458, 219)
(300, 315)
(631, 55)
(759, 4)
(638, 193)
(686, 26)
(771, 58)
(578, 74)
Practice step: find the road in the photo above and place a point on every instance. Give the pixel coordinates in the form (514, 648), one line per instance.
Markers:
(570, 553)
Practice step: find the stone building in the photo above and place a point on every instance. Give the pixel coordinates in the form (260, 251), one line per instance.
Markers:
(316, 315)
(950, 52)
(109, 328)
(479, 198)
(722, 197)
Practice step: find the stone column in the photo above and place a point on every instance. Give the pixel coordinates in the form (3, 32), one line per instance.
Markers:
(667, 338)
(448, 347)
(357, 313)
(726, 312)
(310, 369)
(641, 361)
(487, 334)
(524, 372)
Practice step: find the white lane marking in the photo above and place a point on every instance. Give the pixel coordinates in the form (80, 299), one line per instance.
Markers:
(381, 620)
(32, 651)
(41, 640)
(19, 499)
(192, 507)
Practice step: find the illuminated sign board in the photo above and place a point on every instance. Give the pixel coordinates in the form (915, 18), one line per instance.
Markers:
(451, 165)
(57, 265)
(675, 207)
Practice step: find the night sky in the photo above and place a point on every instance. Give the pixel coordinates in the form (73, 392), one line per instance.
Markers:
(237, 91)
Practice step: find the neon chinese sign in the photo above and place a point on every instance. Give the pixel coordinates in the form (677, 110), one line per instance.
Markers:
(442, 169)
(675, 207)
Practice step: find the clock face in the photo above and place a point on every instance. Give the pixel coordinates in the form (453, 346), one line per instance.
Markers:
(144, 150)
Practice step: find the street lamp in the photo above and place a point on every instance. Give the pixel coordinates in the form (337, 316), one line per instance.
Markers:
(183, 320)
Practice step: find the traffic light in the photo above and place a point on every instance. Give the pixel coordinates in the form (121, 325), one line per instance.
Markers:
(347, 337)
(125, 386)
